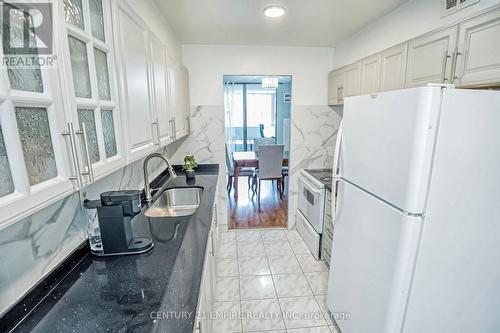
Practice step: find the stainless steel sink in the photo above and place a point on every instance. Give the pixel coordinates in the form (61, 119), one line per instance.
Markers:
(176, 202)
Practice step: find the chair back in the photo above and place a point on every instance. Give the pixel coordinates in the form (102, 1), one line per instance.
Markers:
(229, 162)
(270, 161)
(257, 142)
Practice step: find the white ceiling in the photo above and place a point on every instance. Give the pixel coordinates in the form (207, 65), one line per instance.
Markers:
(242, 22)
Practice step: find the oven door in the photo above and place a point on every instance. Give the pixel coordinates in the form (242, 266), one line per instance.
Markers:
(311, 203)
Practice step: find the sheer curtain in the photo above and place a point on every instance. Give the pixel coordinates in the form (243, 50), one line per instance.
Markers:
(229, 103)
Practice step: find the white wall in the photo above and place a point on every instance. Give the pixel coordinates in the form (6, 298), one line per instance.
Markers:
(208, 63)
(151, 14)
(406, 22)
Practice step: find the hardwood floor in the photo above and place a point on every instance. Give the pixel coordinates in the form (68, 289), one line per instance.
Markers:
(245, 213)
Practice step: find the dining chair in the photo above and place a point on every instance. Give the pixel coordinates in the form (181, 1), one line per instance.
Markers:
(270, 167)
(244, 172)
(257, 142)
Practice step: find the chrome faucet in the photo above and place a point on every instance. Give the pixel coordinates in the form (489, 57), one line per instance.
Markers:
(171, 171)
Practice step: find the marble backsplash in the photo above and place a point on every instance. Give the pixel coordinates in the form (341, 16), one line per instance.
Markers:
(206, 143)
(33, 246)
(312, 143)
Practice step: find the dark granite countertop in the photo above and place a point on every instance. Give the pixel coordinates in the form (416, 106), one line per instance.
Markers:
(130, 293)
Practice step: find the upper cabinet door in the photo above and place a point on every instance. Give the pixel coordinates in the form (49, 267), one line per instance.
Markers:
(335, 81)
(36, 165)
(352, 80)
(159, 77)
(91, 85)
(393, 67)
(429, 58)
(478, 57)
(184, 129)
(132, 60)
(179, 97)
(370, 75)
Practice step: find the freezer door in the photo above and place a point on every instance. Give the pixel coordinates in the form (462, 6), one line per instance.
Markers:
(457, 275)
(373, 255)
(387, 143)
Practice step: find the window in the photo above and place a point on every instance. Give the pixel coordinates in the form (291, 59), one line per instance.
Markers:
(91, 64)
(261, 109)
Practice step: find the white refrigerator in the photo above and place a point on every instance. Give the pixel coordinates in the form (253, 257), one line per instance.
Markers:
(416, 244)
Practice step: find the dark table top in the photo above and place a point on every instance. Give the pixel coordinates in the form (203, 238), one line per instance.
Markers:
(123, 294)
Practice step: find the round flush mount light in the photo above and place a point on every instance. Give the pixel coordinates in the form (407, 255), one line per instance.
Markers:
(274, 11)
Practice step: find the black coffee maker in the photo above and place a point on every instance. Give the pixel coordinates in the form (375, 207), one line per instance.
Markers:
(115, 212)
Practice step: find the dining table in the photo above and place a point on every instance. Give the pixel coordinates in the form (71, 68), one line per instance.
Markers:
(248, 159)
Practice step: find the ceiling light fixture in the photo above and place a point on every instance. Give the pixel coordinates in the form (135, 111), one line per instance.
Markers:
(274, 11)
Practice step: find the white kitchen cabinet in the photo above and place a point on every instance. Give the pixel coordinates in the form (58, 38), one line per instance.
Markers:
(393, 67)
(159, 76)
(135, 86)
(352, 80)
(370, 74)
(335, 82)
(478, 53)
(36, 161)
(89, 71)
(429, 58)
(179, 97)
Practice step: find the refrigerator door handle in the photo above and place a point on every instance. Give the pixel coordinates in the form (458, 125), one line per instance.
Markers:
(336, 157)
(336, 171)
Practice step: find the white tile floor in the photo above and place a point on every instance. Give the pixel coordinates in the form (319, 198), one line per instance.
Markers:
(272, 281)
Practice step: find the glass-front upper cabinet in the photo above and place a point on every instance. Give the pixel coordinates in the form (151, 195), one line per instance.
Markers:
(36, 167)
(87, 47)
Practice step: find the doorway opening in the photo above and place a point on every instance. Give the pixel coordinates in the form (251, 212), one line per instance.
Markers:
(257, 141)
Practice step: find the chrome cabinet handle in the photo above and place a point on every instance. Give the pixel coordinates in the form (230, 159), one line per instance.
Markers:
(342, 94)
(215, 214)
(175, 128)
(446, 56)
(74, 154)
(172, 128)
(89, 171)
(156, 127)
(200, 327)
(212, 242)
(454, 76)
(338, 94)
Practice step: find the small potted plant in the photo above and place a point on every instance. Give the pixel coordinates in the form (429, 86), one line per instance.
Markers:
(189, 166)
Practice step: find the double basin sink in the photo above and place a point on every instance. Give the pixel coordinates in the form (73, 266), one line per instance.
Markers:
(176, 202)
